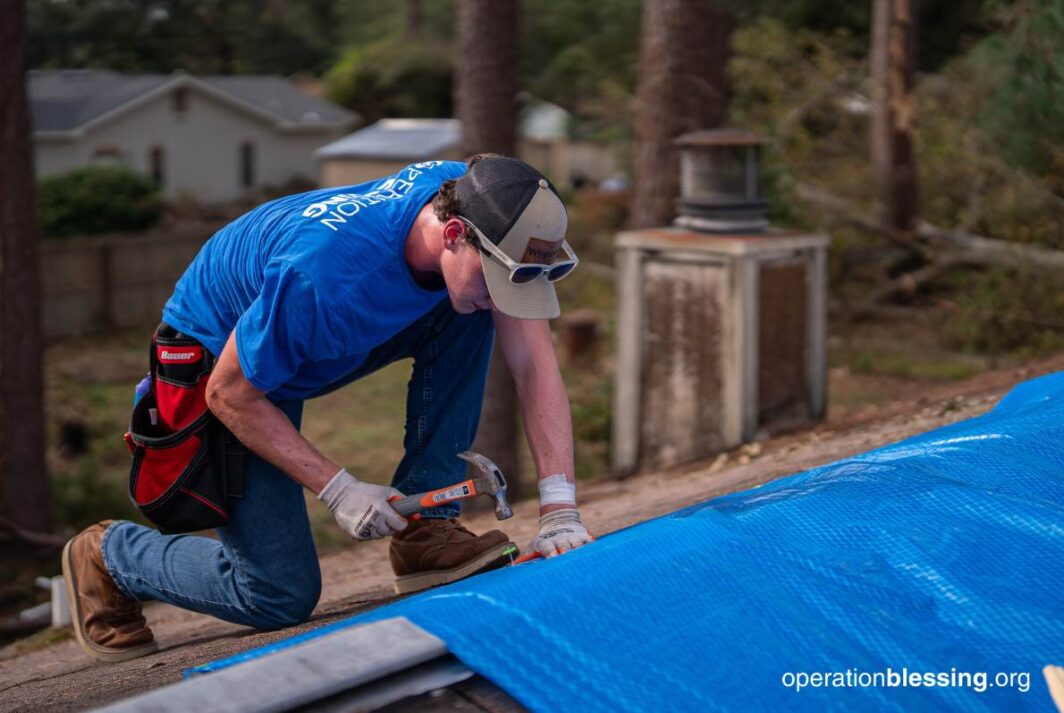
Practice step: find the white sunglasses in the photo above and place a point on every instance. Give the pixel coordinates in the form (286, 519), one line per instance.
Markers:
(522, 273)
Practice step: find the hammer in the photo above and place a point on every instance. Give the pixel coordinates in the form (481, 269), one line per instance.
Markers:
(488, 482)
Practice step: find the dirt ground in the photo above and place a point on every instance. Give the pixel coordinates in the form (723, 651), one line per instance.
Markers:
(39, 676)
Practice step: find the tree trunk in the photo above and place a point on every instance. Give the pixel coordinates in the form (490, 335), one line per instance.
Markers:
(24, 496)
(413, 18)
(487, 82)
(879, 128)
(682, 87)
(893, 160)
(486, 85)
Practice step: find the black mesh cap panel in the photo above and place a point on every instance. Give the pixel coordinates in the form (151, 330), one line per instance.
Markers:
(495, 191)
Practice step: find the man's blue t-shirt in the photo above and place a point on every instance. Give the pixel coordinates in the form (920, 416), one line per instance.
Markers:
(311, 282)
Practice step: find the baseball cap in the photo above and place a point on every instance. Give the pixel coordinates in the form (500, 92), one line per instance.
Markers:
(519, 210)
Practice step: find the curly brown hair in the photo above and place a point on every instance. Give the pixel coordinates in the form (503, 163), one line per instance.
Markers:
(445, 202)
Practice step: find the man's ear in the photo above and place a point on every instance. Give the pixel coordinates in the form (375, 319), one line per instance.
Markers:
(454, 232)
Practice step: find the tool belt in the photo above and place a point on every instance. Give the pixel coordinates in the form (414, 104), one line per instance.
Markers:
(187, 467)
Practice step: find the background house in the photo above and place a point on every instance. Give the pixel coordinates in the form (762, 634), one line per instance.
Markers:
(385, 147)
(211, 138)
(389, 144)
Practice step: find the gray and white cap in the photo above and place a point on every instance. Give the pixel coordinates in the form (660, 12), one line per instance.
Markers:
(520, 211)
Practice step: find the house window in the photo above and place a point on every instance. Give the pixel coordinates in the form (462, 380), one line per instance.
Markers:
(180, 100)
(107, 155)
(247, 164)
(157, 165)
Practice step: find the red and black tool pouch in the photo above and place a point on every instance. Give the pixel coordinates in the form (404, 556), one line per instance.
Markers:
(187, 467)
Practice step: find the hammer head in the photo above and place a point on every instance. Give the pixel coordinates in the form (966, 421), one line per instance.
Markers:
(490, 481)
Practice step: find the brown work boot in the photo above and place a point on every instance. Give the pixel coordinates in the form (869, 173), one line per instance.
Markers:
(433, 551)
(107, 623)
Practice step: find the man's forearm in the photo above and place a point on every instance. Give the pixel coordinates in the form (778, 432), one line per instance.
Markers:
(261, 426)
(266, 430)
(548, 423)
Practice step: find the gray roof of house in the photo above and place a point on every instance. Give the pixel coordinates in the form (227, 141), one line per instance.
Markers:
(419, 139)
(397, 140)
(67, 99)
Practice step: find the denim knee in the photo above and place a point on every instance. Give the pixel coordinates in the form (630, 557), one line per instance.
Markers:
(287, 602)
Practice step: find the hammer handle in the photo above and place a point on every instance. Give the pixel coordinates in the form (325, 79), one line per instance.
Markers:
(433, 498)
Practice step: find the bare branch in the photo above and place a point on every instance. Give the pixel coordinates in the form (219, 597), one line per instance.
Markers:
(976, 249)
(41, 539)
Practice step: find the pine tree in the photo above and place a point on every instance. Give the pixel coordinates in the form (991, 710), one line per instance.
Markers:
(486, 104)
(682, 87)
(24, 497)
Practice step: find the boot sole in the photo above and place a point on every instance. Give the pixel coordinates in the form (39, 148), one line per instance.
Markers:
(488, 560)
(96, 651)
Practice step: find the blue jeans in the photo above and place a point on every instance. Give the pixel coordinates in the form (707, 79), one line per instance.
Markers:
(263, 571)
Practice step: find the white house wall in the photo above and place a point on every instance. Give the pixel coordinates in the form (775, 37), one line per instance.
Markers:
(201, 148)
(350, 171)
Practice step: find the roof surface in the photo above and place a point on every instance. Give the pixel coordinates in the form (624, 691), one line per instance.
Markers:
(397, 139)
(413, 139)
(67, 99)
(720, 137)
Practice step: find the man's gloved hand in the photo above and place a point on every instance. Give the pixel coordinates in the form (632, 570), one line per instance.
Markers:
(560, 531)
(362, 509)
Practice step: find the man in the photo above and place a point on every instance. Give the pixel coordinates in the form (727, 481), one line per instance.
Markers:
(310, 292)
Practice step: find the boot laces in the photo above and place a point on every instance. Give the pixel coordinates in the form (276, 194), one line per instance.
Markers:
(456, 529)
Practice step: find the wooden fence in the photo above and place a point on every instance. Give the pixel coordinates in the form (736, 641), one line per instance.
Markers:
(114, 281)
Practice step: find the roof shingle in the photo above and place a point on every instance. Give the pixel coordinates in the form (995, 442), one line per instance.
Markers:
(397, 140)
(66, 99)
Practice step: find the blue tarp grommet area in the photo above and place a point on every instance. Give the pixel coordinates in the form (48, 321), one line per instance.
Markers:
(931, 569)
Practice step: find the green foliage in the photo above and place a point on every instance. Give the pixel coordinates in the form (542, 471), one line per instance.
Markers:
(944, 25)
(592, 415)
(822, 16)
(583, 56)
(97, 199)
(777, 185)
(805, 89)
(788, 85)
(82, 494)
(967, 180)
(594, 218)
(200, 36)
(775, 70)
(362, 23)
(590, 391)
(946, 28)
(1003, 310)
(92, 393)
(120, 35)
(394, 78)
(903, 364)
(971, 179)
(1022, 70)
(579, 55)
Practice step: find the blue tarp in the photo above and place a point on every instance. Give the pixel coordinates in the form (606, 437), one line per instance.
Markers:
(942, 554)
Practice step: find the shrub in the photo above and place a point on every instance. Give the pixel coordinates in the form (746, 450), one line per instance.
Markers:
(97, 199)
(393, 78)
(594, 217)
(1002, 310)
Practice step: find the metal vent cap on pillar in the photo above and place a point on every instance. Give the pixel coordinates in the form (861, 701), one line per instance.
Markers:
(720, 182)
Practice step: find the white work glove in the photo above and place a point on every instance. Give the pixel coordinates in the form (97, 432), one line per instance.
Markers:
(560, 531)
(362, 509)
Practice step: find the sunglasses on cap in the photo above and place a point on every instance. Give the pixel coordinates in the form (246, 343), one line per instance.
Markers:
(522, 273)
